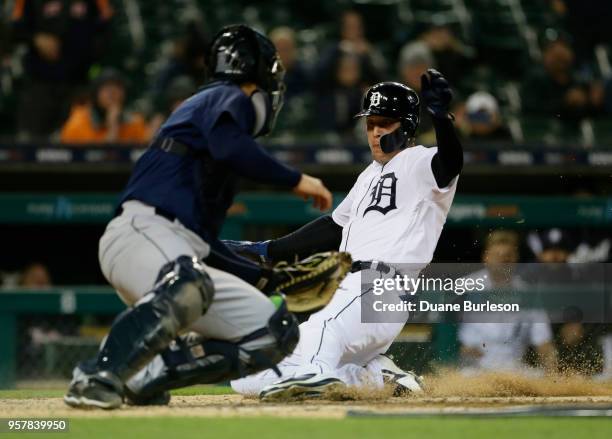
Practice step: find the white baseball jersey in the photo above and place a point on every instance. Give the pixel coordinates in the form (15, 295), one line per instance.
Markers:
(395, 212)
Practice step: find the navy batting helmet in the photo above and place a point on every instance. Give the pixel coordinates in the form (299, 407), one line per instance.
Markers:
(241, 54)
(397, 101)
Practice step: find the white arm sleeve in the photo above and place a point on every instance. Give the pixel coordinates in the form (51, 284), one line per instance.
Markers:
(342, 214)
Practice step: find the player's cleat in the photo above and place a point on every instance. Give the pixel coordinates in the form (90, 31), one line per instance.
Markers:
(405, 381)
(310, 385)
(94, 391)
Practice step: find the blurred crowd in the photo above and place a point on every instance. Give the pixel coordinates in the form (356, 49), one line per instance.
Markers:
(522, 71)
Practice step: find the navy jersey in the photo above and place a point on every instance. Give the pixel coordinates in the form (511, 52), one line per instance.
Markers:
(199, 187)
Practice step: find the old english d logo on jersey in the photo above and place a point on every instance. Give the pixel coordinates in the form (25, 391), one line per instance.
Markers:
(383, 194)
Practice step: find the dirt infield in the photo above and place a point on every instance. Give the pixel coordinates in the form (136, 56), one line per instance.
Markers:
(236, 405)
(446, 393)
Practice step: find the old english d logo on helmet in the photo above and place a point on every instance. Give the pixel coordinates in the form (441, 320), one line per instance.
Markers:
(375, 99)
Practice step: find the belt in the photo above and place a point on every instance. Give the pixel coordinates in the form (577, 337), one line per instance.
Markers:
(168, 144)
(371, 265)
(157, 210)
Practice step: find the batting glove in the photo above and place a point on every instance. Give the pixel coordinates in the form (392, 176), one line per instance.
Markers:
(436, 93)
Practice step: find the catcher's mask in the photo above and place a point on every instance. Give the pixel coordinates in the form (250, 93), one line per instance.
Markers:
(397, 101)
(241, 54)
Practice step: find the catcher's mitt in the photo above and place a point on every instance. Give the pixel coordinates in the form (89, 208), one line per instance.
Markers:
(310, 284)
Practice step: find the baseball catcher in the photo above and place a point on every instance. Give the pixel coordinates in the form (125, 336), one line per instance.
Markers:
(162, 253)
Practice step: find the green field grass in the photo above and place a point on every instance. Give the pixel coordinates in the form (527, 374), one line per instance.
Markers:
(349, 428)
(58, 393)
(271, 428)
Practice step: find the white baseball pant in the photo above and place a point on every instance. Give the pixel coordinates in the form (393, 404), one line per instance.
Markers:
(334, 341)
(137, 243)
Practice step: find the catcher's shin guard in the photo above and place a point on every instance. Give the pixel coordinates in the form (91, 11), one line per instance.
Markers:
(183, 293)
(182, 364)
(192, 361)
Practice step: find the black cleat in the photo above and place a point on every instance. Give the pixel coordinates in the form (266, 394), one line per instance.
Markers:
(100, 390)
(304, 386)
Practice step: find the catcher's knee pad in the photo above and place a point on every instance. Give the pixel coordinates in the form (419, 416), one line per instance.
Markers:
(183, 292)
(192, 361)
(262, 349)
